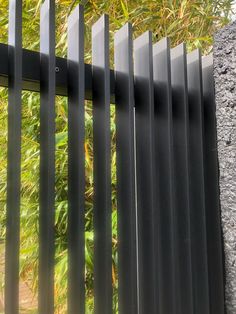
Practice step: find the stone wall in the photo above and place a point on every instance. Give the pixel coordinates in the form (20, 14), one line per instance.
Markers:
(225, 87)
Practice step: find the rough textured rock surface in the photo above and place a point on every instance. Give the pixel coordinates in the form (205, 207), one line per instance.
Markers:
(225, 85)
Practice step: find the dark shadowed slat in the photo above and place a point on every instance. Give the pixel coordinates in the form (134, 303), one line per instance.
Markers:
(47, 158)
(164, 215)
(197, 188)
(102, 167)
(181, 180)
(13, 158)
(76, 163)
(213, 219)
(124, 95)
(144, 122)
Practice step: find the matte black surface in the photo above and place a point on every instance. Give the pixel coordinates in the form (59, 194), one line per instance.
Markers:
(184, 293)
(13, 159)
(102, 167)
(213, 219)
(76, 163)
(144, 121)
(124, 90)
(197, 187)
(165, 210)
(31, 73)
(169, 235)
(47, 158)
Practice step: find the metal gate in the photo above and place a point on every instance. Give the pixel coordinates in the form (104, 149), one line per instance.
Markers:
(169, 235)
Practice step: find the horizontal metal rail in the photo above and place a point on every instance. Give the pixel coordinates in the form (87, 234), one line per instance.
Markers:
(31, 73)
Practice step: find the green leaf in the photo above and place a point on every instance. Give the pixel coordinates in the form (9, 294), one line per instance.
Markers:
(61, 139)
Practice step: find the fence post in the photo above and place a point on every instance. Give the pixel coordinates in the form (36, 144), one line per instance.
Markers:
(13, 159)
(47, 158)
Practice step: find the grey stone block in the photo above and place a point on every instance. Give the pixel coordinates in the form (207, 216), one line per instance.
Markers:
(225, 88)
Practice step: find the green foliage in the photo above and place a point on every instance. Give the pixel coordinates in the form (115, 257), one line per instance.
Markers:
(191, 21)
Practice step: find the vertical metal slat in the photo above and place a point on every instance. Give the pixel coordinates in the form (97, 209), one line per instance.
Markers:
(181, 179)
(47, 158)
(144, 123)
(213, 219)
(124, 96)
(102, 167)
(197, 188)
(13, 158)
(164, 217)
(76, 162)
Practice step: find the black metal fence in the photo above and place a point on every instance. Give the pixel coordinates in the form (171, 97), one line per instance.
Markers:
(169, 237)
